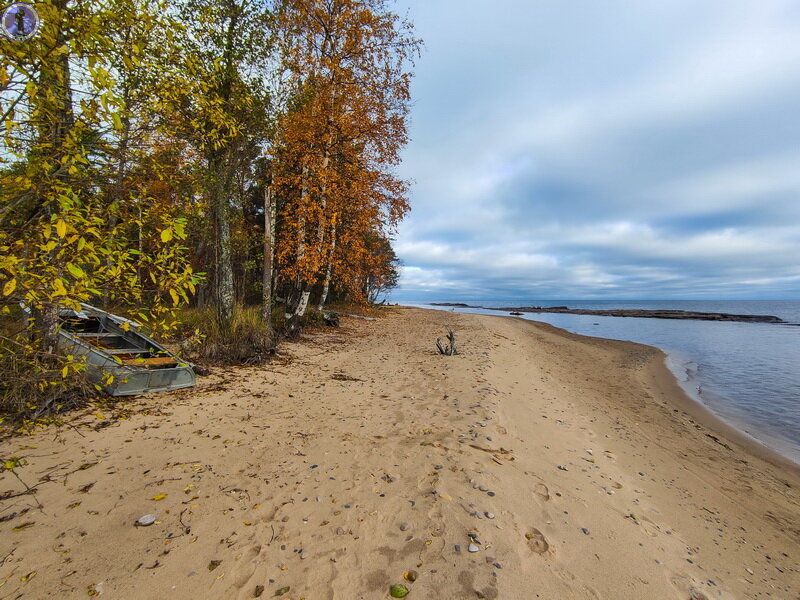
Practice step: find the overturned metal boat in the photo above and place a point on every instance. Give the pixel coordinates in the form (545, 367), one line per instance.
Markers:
(113, 345)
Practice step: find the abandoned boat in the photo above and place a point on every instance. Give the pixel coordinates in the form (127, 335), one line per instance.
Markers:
(113, 345)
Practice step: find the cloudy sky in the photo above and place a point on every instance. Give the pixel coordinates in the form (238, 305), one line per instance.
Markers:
(614, 149)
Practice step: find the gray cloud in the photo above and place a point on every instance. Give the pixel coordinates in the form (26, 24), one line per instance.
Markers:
(615, 149)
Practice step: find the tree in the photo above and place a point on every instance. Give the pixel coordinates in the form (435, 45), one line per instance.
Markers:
(224, 112)
(340, 134)
(62, 113)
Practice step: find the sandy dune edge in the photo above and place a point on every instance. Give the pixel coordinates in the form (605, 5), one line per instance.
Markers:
(368, 455)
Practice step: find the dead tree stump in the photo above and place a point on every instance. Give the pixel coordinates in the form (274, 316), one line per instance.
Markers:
(448, 349)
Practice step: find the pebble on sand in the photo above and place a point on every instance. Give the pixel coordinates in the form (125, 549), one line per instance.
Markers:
(146, 520)
(473, 548)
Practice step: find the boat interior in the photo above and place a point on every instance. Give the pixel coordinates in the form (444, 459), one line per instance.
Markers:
(129, 347)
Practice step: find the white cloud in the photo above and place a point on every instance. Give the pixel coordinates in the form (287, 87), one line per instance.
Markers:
(575, 147)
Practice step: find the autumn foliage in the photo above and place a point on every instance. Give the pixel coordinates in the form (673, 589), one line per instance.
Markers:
(159, 154)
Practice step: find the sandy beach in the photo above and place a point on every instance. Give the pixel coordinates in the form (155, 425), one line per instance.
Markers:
(534, 464)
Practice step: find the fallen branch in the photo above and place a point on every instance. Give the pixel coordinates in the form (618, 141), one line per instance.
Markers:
(359, 317)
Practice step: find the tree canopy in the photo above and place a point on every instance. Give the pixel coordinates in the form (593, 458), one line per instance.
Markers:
(159, 154)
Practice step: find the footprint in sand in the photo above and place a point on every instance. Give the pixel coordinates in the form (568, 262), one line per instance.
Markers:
(541, 490)
(688, 585)
(537, 541)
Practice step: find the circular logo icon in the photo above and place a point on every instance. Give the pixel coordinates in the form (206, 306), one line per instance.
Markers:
(20, 21)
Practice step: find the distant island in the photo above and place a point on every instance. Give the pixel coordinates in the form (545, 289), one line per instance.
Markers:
(626, 312)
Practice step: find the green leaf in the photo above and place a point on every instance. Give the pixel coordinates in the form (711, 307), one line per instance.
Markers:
(398, 591)
(76, 271)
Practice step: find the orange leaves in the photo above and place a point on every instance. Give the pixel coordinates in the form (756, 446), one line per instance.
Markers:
(339, 137)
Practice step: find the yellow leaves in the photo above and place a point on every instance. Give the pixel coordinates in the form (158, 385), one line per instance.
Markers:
(166, 235)
(9, 287)
(61, 228)
(158, 497)
(28, 577)
(58, 288)
(76, 271)
(175, 298)
(11, 463)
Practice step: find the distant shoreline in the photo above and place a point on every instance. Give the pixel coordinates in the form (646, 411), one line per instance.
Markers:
(628, 312)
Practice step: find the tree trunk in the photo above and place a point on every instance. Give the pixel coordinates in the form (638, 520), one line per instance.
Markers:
(297, 301)
(326, 286)
(224, 292)
(57, 123)
(45, 326)
(269, 252)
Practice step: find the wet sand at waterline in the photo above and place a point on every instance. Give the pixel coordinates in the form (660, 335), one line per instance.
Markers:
(576, 464)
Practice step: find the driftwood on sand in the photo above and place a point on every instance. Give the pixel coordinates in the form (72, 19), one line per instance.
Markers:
(448, 349)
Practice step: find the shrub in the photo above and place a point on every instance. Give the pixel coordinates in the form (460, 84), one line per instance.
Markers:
(247, 340)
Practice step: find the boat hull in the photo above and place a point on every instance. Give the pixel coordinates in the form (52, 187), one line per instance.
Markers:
(105, 368)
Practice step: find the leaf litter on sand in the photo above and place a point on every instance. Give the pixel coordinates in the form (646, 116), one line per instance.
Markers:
(398, 591)
(214, 564)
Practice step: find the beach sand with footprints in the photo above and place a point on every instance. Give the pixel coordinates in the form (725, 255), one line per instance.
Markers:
(534, 464)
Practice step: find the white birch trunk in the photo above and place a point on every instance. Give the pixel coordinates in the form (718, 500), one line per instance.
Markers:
(326, 286)
(269, 253)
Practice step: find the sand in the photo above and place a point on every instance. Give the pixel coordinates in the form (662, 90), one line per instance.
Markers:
(361, 454)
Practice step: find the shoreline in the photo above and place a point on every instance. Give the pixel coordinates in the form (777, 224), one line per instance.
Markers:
(685, 399)
(671, 314)
(534, 462)
(695, 407)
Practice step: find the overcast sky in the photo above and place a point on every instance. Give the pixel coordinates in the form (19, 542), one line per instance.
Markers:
(614, 149)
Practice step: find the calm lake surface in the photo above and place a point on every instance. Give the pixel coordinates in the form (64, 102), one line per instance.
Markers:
(746, 373)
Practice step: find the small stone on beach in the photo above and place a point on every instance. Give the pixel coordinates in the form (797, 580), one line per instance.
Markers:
(473, 548)
(146, 520)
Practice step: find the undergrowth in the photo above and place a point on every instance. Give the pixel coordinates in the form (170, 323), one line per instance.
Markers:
(247, 339)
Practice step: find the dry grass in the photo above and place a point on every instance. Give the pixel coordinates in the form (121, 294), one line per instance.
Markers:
(247, 340)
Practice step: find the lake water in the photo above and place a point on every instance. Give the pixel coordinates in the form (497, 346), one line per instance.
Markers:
(746, 373)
